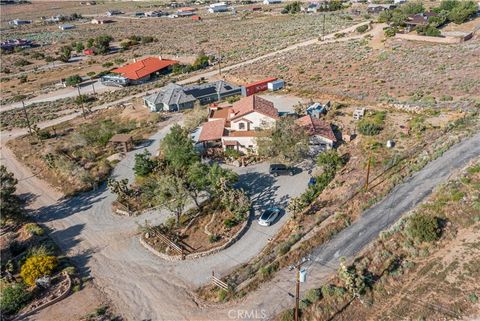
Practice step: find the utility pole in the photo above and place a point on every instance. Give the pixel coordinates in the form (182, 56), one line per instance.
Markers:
(26, 117)
(219, 64)
(368, 171)
(300, 278)
(93, 88)
(323, 28)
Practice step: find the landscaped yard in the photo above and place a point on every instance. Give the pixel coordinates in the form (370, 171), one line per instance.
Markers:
(72, 156)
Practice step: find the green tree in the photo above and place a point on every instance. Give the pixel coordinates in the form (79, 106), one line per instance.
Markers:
(13, 298)
(172, 194)
(412, 8)
(144, 164)
(79, 47)
(220, 180)
(286, 141)
(197, 180)
(10, 206)
(73, 80)
(102, 44)
(177, 149)
(120, 188)
(330, 160)
(65, 53)
(462, 12)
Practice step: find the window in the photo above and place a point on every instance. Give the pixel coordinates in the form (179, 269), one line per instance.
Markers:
(241, 126)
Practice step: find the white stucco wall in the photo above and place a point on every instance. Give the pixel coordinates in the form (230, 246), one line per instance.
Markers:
(256, 120)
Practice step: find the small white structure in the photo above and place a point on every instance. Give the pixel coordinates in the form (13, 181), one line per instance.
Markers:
(276, 85)
(66, 27)
(399, 1)
(272, 1)
(218, 7)
(390, 143)
(358, 113)
(18, 22)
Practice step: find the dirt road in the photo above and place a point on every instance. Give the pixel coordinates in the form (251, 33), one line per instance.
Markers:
(144, 287)
(207, 75)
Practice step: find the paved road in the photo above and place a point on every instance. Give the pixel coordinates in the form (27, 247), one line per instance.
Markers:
(67, 92)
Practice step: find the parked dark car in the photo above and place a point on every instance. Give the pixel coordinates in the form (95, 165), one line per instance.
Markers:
(281, 169)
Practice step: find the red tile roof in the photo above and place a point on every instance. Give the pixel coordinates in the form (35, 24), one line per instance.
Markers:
(144, 67)
(315, 126)
(221, 112)
(253, 103)
(212, 130)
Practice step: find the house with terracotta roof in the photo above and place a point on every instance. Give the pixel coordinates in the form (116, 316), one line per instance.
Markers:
(237, 126)
(320, 133)
(139, 71)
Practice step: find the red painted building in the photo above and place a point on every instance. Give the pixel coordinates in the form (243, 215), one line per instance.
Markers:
(255, 87)
(88, 52)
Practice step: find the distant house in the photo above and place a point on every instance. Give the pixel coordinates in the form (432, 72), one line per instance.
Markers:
(317, 109)
(16, 43)
(113, 13)
(196, 18)
(155, 13)
(139, 71)
(66, 27)
(419, 19)
(184, 13)
(271, 1)
(218, 7)
(174, 97)
(377, 8)
(101, 20)
(169, 98)
(238, 126)
(320, 133)
(186, 9)
(19, 22)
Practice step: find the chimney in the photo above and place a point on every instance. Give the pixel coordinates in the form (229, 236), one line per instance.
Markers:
(160, 57)
(134, 60)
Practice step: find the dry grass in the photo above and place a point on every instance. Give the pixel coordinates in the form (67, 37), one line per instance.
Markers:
(424, 74)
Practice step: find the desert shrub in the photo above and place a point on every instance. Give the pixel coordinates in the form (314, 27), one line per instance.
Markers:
(232, 153)
(73, 80)
(13, 298)
(36, 267)
(362, 29)
(288, 315)
(283, 248)
(222, 295)
(330, 160)
(229, 223)
(21, 62)
(372, 125)
(313, 295)
(107, 64)
(214, 238)
(429, 31)
(34, 229)
(424, 228)
(22, 79)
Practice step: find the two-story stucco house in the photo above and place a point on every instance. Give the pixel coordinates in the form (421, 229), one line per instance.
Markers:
(237, 126)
